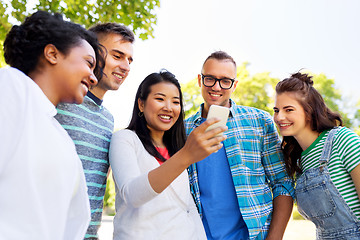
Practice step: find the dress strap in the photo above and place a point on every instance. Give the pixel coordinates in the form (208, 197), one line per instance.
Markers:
(326, 152)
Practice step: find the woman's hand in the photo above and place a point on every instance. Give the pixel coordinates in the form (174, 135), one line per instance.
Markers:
(202, 143)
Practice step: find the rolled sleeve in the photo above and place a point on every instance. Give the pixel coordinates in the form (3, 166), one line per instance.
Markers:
(273, 162)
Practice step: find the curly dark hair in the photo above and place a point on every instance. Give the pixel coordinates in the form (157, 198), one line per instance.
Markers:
(24, 44)
(174, 138)
(321, 117)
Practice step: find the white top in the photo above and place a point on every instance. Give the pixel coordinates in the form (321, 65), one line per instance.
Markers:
(141, 213)
(42, 184)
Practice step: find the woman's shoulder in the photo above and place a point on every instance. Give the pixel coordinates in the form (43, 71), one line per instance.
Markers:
(16, 84)
(347, 141)
(124, 135)
(344, 134)
(124, 139)
(124, 132)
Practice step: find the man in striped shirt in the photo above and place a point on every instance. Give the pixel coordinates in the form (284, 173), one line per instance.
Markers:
(90, 125)
(242, 191)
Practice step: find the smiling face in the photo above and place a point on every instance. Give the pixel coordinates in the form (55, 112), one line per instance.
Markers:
(215, 94)
(74, 74)
(117, 63)
(161, 108)
(290, 116)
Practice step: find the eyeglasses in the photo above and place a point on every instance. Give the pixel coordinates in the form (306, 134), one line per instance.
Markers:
(210, 81)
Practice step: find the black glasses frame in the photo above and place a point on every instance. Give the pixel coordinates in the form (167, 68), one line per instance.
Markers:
(217, 80)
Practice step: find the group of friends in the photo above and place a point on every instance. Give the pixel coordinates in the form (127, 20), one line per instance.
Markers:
(173, 178)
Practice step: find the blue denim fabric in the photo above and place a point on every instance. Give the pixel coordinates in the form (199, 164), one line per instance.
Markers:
(320, 202)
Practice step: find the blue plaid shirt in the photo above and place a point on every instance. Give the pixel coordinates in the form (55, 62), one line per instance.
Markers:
(256, 163)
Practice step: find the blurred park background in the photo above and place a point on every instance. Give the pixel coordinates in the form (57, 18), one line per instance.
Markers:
(268, 39)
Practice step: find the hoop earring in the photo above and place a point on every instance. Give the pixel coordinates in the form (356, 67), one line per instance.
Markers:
(140, 114)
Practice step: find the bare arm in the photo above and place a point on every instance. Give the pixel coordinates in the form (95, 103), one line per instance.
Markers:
(199, 145)
(282, 211)
(355, 175)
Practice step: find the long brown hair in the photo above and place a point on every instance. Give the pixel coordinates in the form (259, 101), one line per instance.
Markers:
(320, 116)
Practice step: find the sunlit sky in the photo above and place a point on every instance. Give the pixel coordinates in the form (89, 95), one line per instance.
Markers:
(277, 36)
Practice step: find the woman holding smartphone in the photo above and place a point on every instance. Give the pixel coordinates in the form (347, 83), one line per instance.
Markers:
(149, 161)
(323, 157)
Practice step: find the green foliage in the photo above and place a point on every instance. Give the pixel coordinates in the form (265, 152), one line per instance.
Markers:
(4, 21)
(137, 14)
(109, 198)
(2, 59)
(357, 118)
(295, 214)
(332, 96)
(19, 9)
(4, 28)
(327, 90)
(192, 96)
(357, 131)
(256, 91)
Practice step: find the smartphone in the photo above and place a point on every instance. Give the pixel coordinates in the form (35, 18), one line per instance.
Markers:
(219, 112)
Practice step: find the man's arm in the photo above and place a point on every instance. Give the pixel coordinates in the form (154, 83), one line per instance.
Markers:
(281, 184)
(282, 206)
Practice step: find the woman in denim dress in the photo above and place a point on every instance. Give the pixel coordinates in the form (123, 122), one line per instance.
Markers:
(322, 156)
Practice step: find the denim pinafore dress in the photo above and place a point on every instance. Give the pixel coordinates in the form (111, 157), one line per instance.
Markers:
(319, 201)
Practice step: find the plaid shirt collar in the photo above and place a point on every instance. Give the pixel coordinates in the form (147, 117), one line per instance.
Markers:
(198, 115)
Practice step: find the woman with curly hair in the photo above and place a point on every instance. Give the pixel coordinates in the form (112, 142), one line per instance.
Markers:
(323, 157)
(42, 184)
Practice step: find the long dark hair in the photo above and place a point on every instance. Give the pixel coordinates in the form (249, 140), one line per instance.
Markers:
(174, 138)
(24, 44)
(320, 116)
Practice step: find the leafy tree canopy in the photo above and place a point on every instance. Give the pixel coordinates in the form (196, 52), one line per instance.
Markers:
(137, 14)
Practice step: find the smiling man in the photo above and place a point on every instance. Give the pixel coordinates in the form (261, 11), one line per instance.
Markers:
(90, 125)
(241, 191)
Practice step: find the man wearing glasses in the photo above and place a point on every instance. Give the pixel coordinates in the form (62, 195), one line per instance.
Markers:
(242, 191)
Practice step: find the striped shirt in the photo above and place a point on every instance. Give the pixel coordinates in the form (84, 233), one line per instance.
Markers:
(256, 164)
(90, 126)
(345, 156)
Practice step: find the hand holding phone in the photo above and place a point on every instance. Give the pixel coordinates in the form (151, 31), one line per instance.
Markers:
(219, 112)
